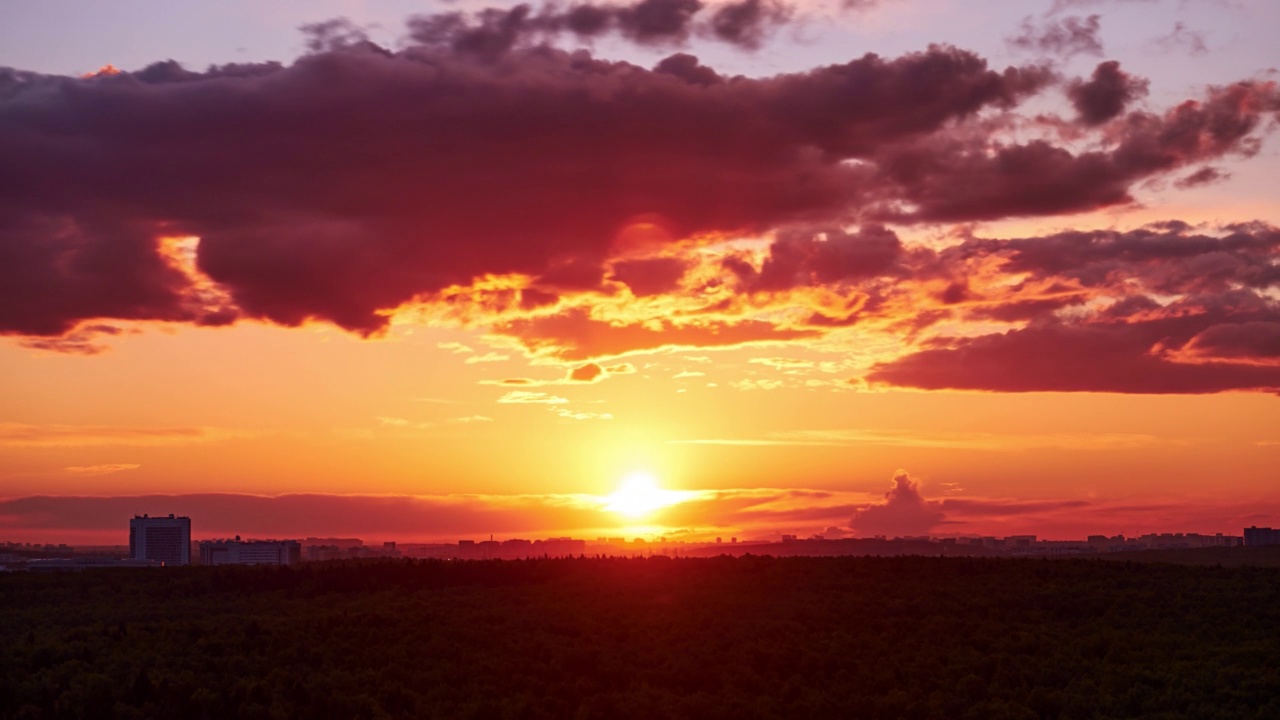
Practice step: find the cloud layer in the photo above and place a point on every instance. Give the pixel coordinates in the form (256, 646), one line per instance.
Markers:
(586, 208)
(761, 512)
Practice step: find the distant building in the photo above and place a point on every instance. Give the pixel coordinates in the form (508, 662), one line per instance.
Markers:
(1257, 536)
(250, 552)
(166, 539)
(319, 553)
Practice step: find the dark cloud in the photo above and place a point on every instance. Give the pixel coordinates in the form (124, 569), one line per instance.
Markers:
(1105, 95)
(903, 512)
(56, 270)
(747, 22)
(965, 507)
(496, 181)
(1066, 37)
(1203, 176)
(803, 258)
(651, 21)
(650, 276)
(1176, 311)
(957, 178)
(355, 180)
(1256, 341)
(1096, 357)
(84, 340)
(493, 32)
(1165, 258)
(334, 34)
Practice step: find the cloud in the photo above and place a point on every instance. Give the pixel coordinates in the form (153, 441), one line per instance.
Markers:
(1105, 95)
(903, 512)
(750, 384)
(575, 335)
(1154, 291)
(799, 258)
(488, 357)
(105, 469)
(1183, 39)
(1066, 37)
(523, 397)
(301, 515)
(746, 23)
(1003, 442)
(1203, 176)
(81, 341)
(573, 415)
(955, 179)
(586, 373)
(1112, 357)
(295, 194)
(703, 513)
(33, 436)
(1256, 341)
(315, 130)
(650, 276)
(784, 364)
(492, 33)
(986, 508)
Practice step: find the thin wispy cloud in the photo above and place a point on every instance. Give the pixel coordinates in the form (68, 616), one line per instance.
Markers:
(21, 435)
(104, 469)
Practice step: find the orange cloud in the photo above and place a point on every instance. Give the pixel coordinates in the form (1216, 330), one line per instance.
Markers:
(106, 469)
(24, 435)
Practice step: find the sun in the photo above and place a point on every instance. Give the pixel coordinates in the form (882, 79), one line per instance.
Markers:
(639, 494)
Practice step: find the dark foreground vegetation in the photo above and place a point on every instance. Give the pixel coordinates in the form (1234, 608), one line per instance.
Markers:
(750, 637)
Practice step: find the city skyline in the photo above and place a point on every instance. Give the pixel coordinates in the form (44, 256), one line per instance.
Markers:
(414, 271)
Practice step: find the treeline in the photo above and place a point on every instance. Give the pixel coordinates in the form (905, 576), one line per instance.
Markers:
(750, 637)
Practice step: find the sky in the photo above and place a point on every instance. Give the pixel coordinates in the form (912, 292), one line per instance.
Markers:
(426, 271)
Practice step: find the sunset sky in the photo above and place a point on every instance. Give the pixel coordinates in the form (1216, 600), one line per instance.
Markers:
(425, 271)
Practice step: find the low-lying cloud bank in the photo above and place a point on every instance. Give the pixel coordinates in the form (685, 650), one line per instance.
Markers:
(760, 512)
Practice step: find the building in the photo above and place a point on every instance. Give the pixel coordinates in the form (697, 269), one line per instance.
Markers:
(166, 539)
(250, 552)
(1256, 536)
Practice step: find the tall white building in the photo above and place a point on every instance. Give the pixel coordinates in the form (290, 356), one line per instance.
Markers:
(166, 539)
(250, 552)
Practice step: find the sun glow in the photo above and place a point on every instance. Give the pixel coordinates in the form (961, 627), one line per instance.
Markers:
(639, 494)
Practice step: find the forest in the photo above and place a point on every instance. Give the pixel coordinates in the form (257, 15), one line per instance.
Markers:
(746, 637)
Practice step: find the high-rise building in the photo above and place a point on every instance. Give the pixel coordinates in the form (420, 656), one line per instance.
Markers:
(167, 539)
(1256, 536)
(250, 552)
